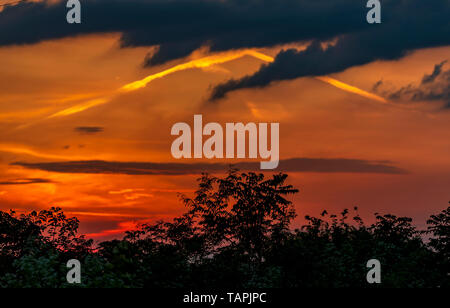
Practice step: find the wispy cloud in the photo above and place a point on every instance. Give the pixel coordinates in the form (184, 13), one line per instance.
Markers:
(132, 193)
(89, 130)
(204, 62)
(26, 181)
(433, 87)
(22, 150)
(326, 165)
(124, 191)
(346, 87)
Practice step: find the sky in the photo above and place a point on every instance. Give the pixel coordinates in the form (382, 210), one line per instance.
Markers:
(86, 110)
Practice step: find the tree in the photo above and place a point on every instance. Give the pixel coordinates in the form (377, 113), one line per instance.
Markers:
(235, 234)
(241, 210)
(35, 247)
(439, 228)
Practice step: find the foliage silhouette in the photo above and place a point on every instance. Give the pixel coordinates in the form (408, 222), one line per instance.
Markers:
(235, 233)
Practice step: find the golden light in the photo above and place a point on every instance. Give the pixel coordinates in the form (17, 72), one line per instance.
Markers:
(346, 87)
(204, 62)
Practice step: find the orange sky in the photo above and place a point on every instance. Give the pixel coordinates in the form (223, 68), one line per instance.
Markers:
(316, 120)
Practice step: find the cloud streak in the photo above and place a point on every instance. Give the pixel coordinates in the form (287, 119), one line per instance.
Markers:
(88, 130)
(26, 181)
(21, 150)
(346, 87)
(322, 165)
(197, 63)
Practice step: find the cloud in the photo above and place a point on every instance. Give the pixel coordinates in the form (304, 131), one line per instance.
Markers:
(433, 87)
(406, 26)
(147, 168)
(89, 130)
(132, 193)
(125, 191)
(436, 72)
(26, 181)
(179, 27)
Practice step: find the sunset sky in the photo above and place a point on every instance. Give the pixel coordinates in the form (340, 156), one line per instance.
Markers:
(364, 110)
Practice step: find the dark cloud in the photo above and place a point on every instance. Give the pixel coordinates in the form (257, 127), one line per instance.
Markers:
(377, 85)
(181, 26)
(433, 87)
(88, 129)
(406, 26)
(436, 72)
(146, 168)
(26, 181)
(170, 51)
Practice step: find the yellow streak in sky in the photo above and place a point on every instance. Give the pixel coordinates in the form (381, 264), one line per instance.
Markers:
(21, 150)
(225, 57)
(198, 63)
(204, 63)
(14, 116)
(334, 82)
(80, 108)
(124, 191)
(346, 87)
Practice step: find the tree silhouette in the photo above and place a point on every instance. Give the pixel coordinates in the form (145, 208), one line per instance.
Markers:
(235, 233)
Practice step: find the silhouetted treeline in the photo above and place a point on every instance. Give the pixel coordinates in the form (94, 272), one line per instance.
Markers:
(234, 234)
